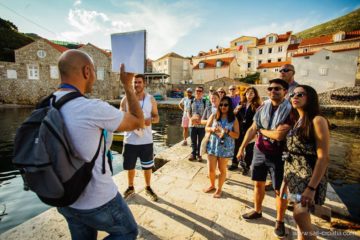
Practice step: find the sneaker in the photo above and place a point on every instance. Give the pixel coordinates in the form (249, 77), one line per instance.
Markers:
(245, 171)
(184, 143)
(199, 158)
(192, 158)
(269, 186)
(233, 167)
(279, 230)
(150, 192)
(129, 192)
(252, 215)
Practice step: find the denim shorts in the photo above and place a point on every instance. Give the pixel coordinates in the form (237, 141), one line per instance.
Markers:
(113, 217)
(262, 164)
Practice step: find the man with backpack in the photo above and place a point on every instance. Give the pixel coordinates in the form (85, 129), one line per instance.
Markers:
(195, 112)
(100, 206)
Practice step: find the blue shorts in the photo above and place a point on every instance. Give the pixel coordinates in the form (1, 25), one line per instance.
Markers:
(145, 152)
(262, 164)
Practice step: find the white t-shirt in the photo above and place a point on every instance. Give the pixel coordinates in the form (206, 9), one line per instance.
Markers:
(84, 118)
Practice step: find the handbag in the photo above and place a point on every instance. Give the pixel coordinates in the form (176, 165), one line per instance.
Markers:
(204, 142)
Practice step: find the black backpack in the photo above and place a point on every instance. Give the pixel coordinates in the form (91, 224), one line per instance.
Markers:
(44, 155)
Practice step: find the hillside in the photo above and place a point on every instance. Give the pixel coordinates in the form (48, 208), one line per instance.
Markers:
(10, 39)
(347, 23)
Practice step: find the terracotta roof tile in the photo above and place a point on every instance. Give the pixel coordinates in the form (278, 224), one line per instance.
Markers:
(273, 64)
(293, 46)
(346, 49)
(316, 40)
(214, 52)
(56, 46)
(211, 63)
(303, 54)
(353, 34)
(280, 38)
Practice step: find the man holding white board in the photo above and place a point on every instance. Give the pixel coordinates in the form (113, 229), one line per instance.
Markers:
(130, 49)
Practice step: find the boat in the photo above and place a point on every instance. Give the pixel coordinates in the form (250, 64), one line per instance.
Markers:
(118, 137)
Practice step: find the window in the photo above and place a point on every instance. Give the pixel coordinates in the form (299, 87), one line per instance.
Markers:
(276, 69)
(279, 59)
(219, 63)
(306, 57)
(264, 70)
(271, 39)
(54, 72)
(249, 65)
(260, 51)
(41, 53)
(269, 50)
(100, 73)
(323, 71)
(33, 71)
(327, 57)
(304, 72)
(280, 49)
(11, 74)
(201, 65)
(305, 50)
(269, 61)
(259, 62)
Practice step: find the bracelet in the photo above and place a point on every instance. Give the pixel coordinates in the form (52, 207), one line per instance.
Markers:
(311, 188)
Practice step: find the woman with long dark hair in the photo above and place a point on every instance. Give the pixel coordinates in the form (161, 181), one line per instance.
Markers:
(224, 128)
(307, 158)
(245, 113)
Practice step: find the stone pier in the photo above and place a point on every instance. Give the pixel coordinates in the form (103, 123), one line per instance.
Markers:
(185, 212)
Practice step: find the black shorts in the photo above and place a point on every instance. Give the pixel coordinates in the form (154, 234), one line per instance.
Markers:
(262, 164)
(144, 152)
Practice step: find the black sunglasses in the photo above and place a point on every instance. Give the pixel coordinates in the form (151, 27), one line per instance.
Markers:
(231, 89)
(298, 94)
(221, 92)
(199, 90)
(274, 88)
(285, 70)
(224, 105)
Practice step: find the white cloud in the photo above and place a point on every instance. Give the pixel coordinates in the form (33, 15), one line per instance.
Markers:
(77, 2)
(165, 23)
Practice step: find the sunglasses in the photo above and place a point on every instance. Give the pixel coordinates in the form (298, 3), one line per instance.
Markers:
(298, 94)
(198, 90)
(285, 70)
(224, 105)
(231, 89)
(221, 92)
(274, 88)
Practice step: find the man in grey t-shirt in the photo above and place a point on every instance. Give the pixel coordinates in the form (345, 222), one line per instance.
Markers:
(100, 206)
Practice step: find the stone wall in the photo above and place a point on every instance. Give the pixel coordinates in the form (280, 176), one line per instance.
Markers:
(22, 90)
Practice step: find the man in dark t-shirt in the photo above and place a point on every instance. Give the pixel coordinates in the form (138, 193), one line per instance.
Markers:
(267, 157)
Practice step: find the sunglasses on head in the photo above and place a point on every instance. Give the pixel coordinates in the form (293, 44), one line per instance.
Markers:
(298, 94)
(274, 88)
(285, 70)
(224, 105)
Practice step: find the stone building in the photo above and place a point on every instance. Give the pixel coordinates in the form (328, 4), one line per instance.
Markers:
(210, 69)
(35, 74)
(176, 66)
(244, 51)
(327, 69)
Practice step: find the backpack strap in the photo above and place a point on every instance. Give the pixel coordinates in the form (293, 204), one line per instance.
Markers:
(68, 97)
(45, 102)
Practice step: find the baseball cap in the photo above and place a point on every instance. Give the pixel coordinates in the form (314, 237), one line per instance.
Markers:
(189, 90)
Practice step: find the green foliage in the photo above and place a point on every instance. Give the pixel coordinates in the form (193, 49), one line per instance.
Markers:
(250, 79)
(347, 23)
(11, 39)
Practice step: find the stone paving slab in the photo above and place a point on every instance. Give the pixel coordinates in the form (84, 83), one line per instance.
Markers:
(183, 210)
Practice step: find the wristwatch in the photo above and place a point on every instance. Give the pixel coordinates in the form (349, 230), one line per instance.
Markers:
(311, 188)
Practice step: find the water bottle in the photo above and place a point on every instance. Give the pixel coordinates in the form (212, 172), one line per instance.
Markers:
(295, 197)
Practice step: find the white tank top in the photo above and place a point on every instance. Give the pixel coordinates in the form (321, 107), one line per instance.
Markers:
(132, 137)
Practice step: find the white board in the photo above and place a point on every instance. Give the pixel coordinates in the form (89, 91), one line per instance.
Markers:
(129, 48)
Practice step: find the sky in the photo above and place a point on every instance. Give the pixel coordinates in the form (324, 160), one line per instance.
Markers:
(182, 26)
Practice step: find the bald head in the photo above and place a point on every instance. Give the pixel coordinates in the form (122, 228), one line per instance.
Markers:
(71, 62)
(77, 68)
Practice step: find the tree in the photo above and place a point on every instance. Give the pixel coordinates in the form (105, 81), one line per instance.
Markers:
(250, 79)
